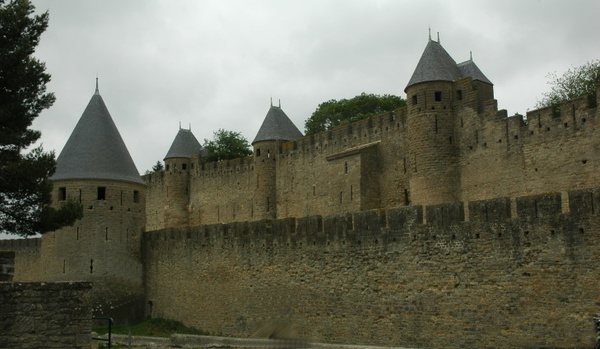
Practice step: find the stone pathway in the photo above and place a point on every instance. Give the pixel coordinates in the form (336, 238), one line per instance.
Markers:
(212, 342)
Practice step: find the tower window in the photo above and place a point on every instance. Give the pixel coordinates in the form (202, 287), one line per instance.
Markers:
(136, 196)
(184, 166)
(257, 151)
(101, 193)
(459, 95)
(167, 167)
(415, 100)
(62, 194)
(438, 96)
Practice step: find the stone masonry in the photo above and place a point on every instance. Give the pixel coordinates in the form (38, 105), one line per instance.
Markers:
(445, 223)
(45, 315)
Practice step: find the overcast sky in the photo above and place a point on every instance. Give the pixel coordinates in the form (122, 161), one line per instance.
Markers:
(216, 64)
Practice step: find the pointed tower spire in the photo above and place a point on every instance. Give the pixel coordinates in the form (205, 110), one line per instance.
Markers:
(185, 145)
(95, 149)
(435, 65)
(277, 126)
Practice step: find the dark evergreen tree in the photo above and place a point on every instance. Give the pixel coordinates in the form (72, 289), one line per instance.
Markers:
(24, 185)
(158, 166)
(226, 145)
(333, 113)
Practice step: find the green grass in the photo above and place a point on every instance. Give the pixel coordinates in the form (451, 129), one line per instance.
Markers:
(150, 328)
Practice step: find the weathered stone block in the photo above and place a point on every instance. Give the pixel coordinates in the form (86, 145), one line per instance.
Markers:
(545, 206)
(492, 210)
(445, 214)
(405, 217)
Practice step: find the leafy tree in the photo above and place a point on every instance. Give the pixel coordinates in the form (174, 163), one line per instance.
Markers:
(574, 83)
(226, 145)
(334, 113)
(158, 166)
(25, 190)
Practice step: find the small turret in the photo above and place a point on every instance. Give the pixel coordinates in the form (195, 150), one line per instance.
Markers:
(277, 128)
(178, 164)
(184, 146)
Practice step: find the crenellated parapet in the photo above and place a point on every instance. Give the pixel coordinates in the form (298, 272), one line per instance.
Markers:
(379, 228)
(30, 245)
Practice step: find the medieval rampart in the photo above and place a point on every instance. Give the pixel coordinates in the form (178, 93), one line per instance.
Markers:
(434, 276)
(385, 161)
(505, 156)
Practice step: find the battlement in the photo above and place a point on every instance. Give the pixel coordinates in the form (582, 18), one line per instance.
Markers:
(573, 113)
(30, 245)
(482, 126)
(378, 228)
(342, 137)
(224, 167)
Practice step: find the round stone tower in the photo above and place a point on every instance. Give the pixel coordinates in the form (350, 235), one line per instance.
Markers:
(435, 101)
(178, 165)
(433, 154)
(275, 129)
(95, 168)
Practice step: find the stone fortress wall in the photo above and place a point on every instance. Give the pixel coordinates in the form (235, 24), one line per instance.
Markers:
(382, 231)
(423, 154)
(455, 275)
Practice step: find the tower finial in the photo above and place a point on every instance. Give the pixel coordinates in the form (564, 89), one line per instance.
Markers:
(279, 102)
(471, 55)
(438, 33)
(430, 33)
(271, 101)
(97, 92)
(190, 126)
(180, 125)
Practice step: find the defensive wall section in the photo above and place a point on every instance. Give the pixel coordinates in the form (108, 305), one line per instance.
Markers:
(45, 315)
(491, 273)
(22, 254)
(551, 150)
(466, 150)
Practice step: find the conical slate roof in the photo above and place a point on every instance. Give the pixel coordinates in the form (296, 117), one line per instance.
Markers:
(437, 65)
(95, 149)
(277, 126)
(185, 145)
(469, 68)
